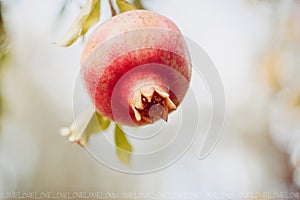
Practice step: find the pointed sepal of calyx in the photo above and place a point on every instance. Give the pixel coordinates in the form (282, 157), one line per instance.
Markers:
(87, 124)
(123, 147)
(150, 104)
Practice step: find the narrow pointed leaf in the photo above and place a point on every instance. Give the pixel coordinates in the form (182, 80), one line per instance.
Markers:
(85, 126)
(138, 4)
(125, 6)
(88, 16)
(93, 18)
(124, 149)
(77, 128)
(92, 128)
(103, 121)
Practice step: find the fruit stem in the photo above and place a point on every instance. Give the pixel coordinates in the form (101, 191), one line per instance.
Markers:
(112, 9)
(151, 103)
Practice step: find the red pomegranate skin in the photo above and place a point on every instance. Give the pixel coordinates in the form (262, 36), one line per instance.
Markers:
(136, 67)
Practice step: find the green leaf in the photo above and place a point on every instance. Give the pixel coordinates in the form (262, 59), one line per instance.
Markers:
(125, 6)
(94, 126)
(88, 16)
(103, 121)
(93, 18)
(124, 149)
(3, 39)
(4, 52)
(86, 125)
(138, 4)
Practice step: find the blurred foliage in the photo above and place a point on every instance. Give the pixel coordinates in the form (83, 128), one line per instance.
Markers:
(63, 8)
(88, 16)
(124, 148)
(271, 70)
(4, 54)
(3, 40)
(280, 66)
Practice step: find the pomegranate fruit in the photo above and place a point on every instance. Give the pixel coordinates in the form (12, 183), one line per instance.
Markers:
(136, 67)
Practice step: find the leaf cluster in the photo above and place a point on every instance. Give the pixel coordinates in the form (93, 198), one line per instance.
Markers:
(89, 15)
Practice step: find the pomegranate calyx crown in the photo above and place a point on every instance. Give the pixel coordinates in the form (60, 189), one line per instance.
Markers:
(151, 104)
